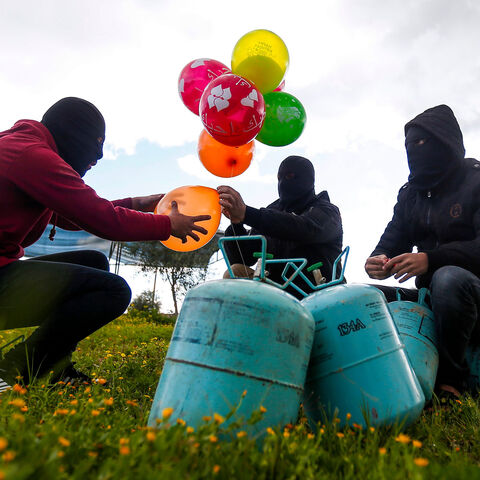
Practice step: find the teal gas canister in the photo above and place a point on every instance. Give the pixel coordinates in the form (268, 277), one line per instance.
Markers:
(358, 364)
(234, 336)
(416, 326)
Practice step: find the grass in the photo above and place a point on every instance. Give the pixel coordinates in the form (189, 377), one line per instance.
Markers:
(57, 432)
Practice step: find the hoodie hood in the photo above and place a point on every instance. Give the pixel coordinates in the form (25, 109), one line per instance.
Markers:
(78, 129)
(434, 145)
(296, 183)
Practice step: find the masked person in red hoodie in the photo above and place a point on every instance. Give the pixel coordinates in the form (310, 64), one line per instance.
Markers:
(67, 295)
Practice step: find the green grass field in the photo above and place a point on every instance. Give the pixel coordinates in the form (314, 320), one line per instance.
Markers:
(56, 432)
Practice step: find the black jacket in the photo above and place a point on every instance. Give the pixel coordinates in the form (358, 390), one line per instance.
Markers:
(315, 234)
(445, 223)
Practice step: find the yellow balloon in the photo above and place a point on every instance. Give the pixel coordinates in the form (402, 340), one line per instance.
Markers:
(262, 57)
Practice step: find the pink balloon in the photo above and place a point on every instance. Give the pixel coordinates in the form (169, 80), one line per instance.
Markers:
(232, 110)
(281, 87)
(194, 77)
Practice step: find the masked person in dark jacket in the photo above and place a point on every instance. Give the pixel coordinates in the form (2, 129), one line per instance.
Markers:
(300, 224)
(438, 211)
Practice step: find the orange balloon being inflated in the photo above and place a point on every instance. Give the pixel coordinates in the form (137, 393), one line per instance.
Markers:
(223, 160)
(192, 201)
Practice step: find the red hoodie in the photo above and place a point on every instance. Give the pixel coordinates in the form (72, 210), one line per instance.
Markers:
(36, 183)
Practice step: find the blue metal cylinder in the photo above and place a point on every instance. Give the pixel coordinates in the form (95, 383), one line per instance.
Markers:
(416, 326)
(232, 336)
(358, 363)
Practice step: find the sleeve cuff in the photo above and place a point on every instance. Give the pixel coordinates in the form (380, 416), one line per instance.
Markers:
(252, 217)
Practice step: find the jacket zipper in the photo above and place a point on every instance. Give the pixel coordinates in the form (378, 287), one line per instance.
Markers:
(429, 195)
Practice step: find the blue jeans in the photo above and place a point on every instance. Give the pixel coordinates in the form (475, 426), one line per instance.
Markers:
(455, 294)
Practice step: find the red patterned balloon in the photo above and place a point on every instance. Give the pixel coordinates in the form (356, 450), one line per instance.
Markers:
(232, 110)
(194, 77)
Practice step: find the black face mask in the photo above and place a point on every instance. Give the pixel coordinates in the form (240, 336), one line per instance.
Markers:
(429, 160)
(296, 183)
(78, 129)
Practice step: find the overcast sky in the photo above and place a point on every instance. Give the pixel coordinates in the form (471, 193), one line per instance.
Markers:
(361, 70)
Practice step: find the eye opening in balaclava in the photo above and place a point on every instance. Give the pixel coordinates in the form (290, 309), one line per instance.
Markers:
(78, 128)
(430, 161)
(296, 183)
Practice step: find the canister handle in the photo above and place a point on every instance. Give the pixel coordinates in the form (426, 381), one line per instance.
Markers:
(423, 293)
(264, 259)
(263, 252)
(334, 280)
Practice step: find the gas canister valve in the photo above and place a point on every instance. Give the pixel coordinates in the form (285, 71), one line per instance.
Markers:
(317, 273)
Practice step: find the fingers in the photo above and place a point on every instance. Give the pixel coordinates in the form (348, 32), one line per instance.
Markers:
(200, 229)
(201, 218)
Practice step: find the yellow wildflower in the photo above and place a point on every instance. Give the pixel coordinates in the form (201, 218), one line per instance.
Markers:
(95, 413)
(190, 429)
(348, 416)
(241, 434)
(262, 409)
(421, 462)
(270, 431)
(108, 401)
(93, 454)
(60, 454)
(19, 417)
(8, 456)
(244, 393)
(167, 413)
(151, 436)
(60, 411)
(382, 450)
(74, 402)
(218, 418)
(3, 443)
(17, 402)
(310, 436)
(124, 450)
(124, 441)
(340, 435)
(64, 441)
(19, 389)
(356, 425)
(216, 469)
(416, 443)
(213, 438)
(286, 433)
(206, 418)
(402, 438)
(101, 381)
(181, 421)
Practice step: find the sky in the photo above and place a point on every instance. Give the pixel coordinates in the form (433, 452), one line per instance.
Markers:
(360, 69)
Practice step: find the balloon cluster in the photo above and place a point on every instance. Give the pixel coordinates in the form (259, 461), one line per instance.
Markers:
(243, 103)
(236, 106)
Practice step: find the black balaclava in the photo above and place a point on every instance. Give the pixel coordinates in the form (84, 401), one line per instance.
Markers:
(296, 183)
(434, 145)
(78, 129)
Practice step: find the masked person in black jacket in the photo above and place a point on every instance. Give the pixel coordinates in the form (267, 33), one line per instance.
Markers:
(299, 224)
(438, 211)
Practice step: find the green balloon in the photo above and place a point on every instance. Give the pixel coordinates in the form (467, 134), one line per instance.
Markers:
(285, 118)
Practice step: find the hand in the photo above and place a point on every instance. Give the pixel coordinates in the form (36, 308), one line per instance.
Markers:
(407, 265)
(146, 204)
(183, 225)
(375, 267)
(233, 206)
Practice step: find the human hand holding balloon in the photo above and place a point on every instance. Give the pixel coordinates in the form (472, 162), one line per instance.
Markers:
(184, 225)
(196, 204)
(146, 204)
(233, 206)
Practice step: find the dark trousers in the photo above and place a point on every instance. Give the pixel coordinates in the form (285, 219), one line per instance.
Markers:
(67, 295)
(455, 302)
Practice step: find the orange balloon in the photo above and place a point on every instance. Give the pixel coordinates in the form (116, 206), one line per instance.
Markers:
(192, 201)
(224, 160)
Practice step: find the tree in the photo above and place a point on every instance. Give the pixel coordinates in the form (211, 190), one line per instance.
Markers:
(182, 270)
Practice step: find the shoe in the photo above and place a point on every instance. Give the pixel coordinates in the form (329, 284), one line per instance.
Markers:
(71, 375)
(4, 385)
